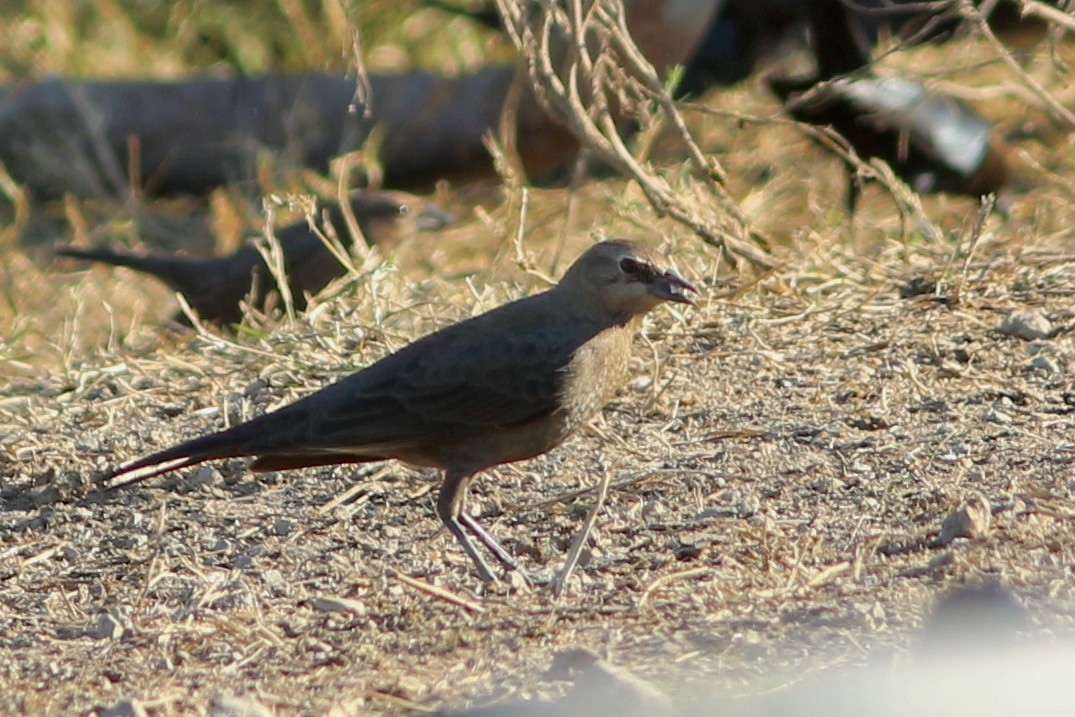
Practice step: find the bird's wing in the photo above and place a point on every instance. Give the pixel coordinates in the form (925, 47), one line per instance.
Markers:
(464, 383)
(500, 369)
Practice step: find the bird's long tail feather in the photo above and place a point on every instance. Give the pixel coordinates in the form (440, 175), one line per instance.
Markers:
(176, 271)
(199, 450)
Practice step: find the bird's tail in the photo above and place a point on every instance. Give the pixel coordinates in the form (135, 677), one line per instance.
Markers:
(198, 450)
(173, 270)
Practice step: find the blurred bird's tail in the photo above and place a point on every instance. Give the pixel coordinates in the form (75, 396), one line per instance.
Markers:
(178, 272)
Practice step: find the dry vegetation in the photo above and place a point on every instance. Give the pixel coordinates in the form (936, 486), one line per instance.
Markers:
(781, 463)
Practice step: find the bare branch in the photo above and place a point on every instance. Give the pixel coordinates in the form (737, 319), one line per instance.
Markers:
(589, 73)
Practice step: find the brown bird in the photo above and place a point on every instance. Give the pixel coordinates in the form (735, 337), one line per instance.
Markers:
(216, 286)
(933, 141)
(504, 386)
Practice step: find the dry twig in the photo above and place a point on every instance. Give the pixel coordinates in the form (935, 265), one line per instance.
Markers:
(564, 576)
(589, 73)
(437, 592)
(972, 15)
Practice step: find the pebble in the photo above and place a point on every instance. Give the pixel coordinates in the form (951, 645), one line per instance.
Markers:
(339, 604)
(972, 520)
(1026, 325)
(124, 708)
(1044, 363)
(108, 627)
(1000, 417)
(234, 706)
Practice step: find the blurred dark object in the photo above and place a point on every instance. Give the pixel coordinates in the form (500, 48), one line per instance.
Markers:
(98, 138)
(985, 616)
(740, 33)
(743, 33)
(932, 141)
(215, 287)
(916, 21)
(485, 14)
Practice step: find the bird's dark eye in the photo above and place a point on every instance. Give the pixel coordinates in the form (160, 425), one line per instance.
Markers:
(629, 266)
(404, 210)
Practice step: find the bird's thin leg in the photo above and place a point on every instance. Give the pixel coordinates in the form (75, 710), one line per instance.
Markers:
(450, 509)
(498, 550)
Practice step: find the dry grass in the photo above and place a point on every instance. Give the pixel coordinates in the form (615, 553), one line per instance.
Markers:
(780, 463)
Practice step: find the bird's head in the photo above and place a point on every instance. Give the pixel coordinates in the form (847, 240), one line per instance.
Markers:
(619, 278)
(387, 218)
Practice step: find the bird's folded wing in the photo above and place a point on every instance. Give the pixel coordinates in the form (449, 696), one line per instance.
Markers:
(464, 383)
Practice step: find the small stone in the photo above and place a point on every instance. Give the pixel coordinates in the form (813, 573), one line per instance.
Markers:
(1042, 362)
(26, 453)
(1039, 346)
(255, 388)
(1000, 417)
(1026, 325)
(124, 708)
(748, 506)
(339, 604)
(214, 545)
(972, 520)
(46, 496)
(234, 706)
(687, 551)
(202, 476)
(108, 627)
(275, 579)
(281, 527)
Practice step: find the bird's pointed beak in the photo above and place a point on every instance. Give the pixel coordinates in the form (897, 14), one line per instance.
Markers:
(433, 218)
(670, 287)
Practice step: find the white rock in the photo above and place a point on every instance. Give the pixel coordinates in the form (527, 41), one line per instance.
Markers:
(1027, 325)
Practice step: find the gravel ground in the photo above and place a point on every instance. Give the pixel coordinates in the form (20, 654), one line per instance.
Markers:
(798, 469)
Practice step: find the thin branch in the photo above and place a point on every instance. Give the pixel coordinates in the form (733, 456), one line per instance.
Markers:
(587, 71)
(968, 11)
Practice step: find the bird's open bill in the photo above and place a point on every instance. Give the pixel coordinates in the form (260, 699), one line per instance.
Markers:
(671, 287)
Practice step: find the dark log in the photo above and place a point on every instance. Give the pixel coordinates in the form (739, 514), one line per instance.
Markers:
(99, 138)
(189, 136)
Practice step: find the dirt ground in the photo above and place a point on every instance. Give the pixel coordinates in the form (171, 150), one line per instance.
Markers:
(800, 465)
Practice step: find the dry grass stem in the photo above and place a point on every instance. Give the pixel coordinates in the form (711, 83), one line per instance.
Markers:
(971, 14)
(587, 71)
(438, 592)
(563, 577)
